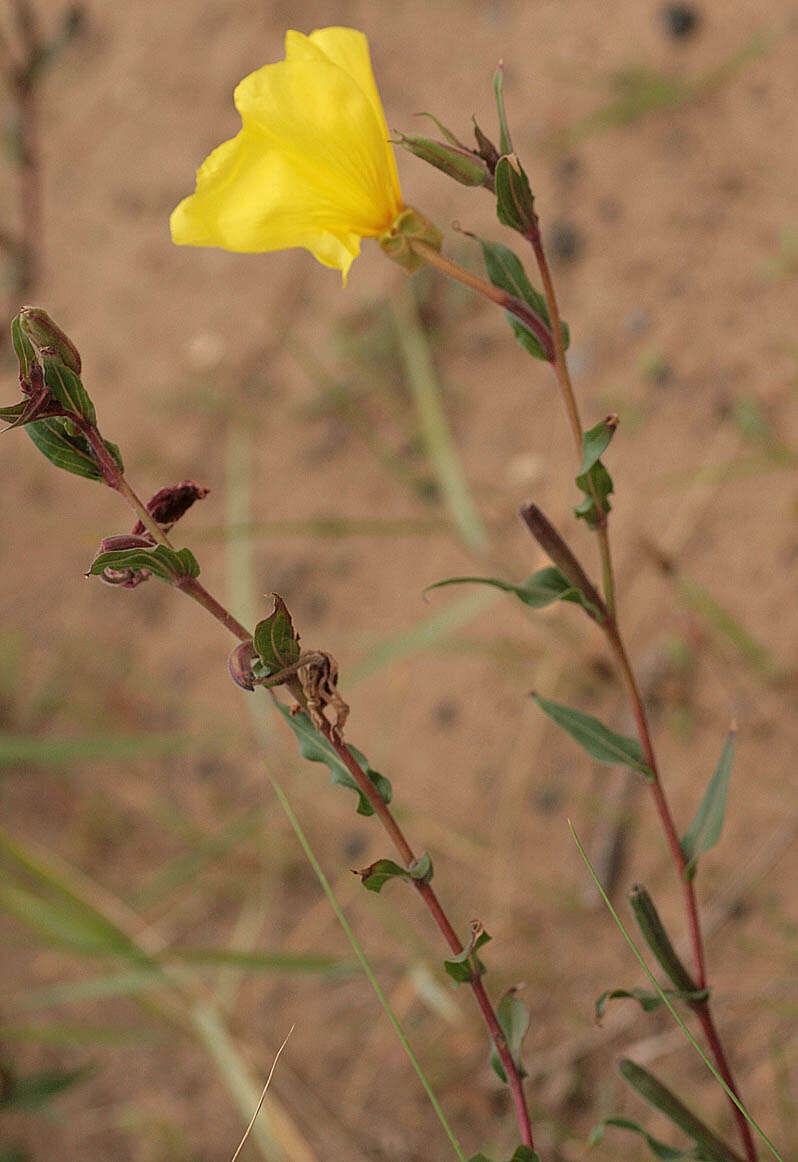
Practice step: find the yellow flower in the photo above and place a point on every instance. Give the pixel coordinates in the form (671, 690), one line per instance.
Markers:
(312, 165)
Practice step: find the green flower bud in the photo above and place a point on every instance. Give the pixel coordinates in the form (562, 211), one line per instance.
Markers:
(40, 329)
(459, 163)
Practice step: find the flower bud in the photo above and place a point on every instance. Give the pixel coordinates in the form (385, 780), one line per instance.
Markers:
(240, 665)
(487, 149)
(170, 503)
(45, 334)
(462, 164)
(125, 541)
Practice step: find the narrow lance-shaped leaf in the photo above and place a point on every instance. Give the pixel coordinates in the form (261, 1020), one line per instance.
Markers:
(704, 832)
(316, 749)
(647, 1000)
(541, 589)
(657, 1147)
(67, 450)
(67, 388)
(515, 203)
(656, 937)
(709, 1146)
(513, 1016)
(506, 271)
(598, 740)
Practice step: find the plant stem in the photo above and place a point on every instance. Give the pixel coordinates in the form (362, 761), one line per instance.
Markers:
(435, 907)
(190, 585)
(510, 303)
(560, 366)
(616, 644)
(115, 479)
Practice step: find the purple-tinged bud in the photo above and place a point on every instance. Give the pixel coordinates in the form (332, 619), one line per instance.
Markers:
(48, 336)
(487, 150)
(126, 541)
(125, 578)
(170, 503)
(240, 665)
(464, 165)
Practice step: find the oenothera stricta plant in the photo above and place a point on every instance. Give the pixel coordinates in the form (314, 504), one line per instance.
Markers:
(313, 167)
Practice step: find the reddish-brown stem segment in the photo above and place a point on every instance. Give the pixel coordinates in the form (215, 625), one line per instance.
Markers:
(116, 480)
(704, 1016)
(429, 897)
(612, 631)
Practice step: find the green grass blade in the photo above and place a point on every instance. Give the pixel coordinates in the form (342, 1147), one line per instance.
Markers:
(423, 635)
(47, 752)
(364, 964)
(436, 433)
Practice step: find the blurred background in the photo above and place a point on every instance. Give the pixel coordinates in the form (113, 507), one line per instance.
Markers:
(660, 142)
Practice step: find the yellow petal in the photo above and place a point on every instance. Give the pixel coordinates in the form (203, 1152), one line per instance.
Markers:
(311, 166)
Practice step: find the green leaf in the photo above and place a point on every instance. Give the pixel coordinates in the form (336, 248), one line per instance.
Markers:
(466, 965)
(595, 442)
(658, 940)
(515, 204)
(62, 448)
(167, 564)
(704, 832)
(647, 1000)
(658, 1149)
(316, 749)
(276, 640)
(541, 589)
(513, 1016)
(377, 874)
(23, 348)
(506, 271)
(67, 388)
(708, 1146)
(598, 740)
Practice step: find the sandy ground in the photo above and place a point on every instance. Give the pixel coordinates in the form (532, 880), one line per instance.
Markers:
(674, 243)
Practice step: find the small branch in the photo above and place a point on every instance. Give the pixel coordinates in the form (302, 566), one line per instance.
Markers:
(427, 893)
(495, 294)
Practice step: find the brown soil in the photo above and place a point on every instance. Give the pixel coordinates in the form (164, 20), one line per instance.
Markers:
(681, 296)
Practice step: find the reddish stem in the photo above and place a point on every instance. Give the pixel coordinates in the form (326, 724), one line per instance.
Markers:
(611, 629)
(116, 480)
(435, 907)
(704, 1016)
